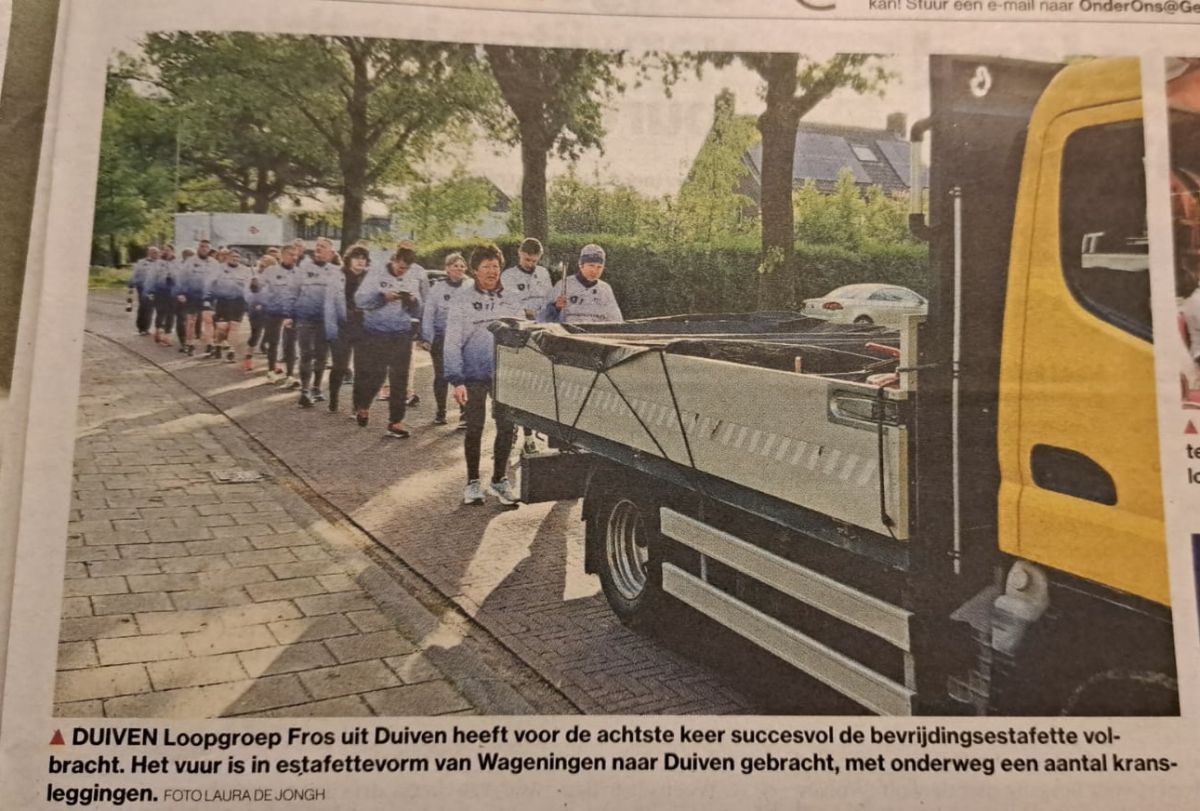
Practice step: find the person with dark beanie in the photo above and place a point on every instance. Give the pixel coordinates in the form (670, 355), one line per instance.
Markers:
(470, 359)
(390, 299)
(344, 319)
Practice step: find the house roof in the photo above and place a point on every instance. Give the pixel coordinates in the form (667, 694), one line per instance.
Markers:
(876, 157)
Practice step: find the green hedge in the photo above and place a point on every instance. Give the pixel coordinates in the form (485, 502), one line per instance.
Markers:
(655, 279)
(102, 277)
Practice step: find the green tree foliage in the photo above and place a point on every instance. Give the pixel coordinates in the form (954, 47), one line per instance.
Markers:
(350, 114)
(555, 101)
(432, 210)
(793, 84)
(579, 207)
(710, 205)
(135, 179)
(231, 130)
(849, 218)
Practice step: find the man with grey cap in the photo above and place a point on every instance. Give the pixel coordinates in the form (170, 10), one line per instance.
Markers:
(583, 297)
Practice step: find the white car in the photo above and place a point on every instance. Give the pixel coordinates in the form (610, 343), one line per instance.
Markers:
(884, 304)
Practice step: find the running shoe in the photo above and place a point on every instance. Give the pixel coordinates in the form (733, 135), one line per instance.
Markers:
(191, 350)
(361, 418)
(272, 376)
(305, 400)
(440, 418)
(473, 494)
(413, 400)
(316, 395)
(291, 383)
(397, 430)
(503, 492)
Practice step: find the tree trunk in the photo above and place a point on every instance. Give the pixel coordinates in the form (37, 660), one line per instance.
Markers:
(114, 254)
(353, 198)
(354, 161)
(263, 196)
(533, 187)
(778, 124)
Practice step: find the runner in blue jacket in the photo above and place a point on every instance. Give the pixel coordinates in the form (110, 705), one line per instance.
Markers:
(433, 327)
(189, 292)
(139, 281)
(470, 352)
(344, 319)
(225, 292)
(390, 299)
(162, 292)
(313, 279)
(277, 295)
(583, 297)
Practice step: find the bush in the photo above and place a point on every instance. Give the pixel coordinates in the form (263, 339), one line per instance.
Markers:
(651, 279)
(107, 278)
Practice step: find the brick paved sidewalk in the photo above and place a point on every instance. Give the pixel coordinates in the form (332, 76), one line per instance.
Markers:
(189, 598)
(516, 574)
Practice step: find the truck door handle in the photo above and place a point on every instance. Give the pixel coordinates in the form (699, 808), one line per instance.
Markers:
(1072, 473)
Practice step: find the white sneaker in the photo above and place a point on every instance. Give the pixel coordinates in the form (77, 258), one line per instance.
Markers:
(503, 492)
(531, 445)
(272, 377)
(291, 383)
(473, 494)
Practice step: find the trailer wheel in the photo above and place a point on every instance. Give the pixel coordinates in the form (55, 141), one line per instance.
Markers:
(629, 568)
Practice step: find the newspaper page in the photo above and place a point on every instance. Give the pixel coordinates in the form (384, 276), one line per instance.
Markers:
(549, 404)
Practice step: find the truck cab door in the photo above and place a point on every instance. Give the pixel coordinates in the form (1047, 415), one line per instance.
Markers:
(1083, 465)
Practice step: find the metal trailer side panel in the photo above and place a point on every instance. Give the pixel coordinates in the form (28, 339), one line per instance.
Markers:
(767, 430)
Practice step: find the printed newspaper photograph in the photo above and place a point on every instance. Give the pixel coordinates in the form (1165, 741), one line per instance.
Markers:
(424, 391)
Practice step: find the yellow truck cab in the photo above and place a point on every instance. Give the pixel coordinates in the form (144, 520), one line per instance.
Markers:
(1077, 443)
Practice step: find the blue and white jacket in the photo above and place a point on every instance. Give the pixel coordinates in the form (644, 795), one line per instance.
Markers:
(337, 310)
(470, 349)
(437, 307)
(193, 278)
(162, 280)
(587, 303)
(139, 280)
(532, 288)
(276, 292)
(227, 283)
(383, 317)
(312, 282)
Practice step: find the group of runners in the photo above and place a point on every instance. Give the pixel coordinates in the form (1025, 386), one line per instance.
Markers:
(360, 314)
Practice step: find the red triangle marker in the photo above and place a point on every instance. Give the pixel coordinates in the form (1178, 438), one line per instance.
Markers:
(1191, 428)
(57, 740)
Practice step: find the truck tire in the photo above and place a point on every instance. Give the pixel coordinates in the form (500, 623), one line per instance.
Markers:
(1121, 692)
(864, 320)
(629, 564)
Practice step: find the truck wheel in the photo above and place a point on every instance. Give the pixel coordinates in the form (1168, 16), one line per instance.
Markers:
(629, 569)
(1123, 692)
(864, 319)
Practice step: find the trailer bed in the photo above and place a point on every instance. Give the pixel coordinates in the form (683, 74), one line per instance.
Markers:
(720, 396)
